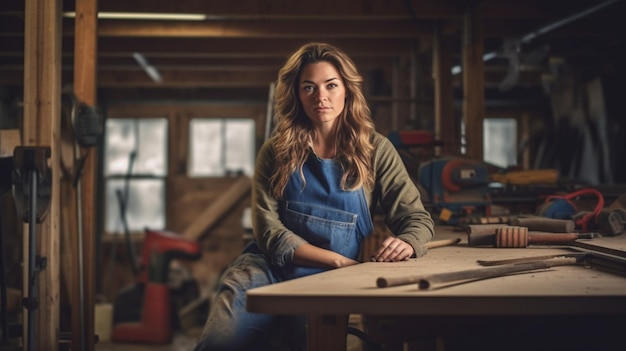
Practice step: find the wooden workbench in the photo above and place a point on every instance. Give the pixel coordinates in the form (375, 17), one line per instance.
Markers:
(583, 297)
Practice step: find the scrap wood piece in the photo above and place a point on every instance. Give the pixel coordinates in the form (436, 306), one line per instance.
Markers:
(218, 208)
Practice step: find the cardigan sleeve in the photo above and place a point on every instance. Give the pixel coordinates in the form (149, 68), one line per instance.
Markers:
(400, 198)
(271, 235)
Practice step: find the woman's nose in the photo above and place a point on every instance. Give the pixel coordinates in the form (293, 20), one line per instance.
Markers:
(320, 96)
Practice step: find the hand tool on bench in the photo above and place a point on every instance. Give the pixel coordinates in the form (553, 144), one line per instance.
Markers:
(510, 236)
(613, 261)
(594, 260)
(432, 281)
(612, 222)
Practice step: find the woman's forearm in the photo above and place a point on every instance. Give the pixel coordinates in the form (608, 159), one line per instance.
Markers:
(313, 256)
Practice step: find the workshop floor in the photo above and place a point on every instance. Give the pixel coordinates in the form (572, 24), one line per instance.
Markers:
(186, 342)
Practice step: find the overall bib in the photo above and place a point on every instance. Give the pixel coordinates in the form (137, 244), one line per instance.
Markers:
(324, 214)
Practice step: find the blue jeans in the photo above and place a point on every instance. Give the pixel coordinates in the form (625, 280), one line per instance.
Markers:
(230, 327)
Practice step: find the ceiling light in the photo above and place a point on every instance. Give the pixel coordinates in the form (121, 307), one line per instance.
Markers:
(150, 70)
(146, 16)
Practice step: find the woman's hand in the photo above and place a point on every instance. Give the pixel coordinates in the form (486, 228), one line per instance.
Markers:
(393, 250)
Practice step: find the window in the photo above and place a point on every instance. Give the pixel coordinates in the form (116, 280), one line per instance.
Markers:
(500, 141)
(135, 166)
(219, 147)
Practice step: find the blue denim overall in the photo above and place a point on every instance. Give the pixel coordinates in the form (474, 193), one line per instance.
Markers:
(321, 213)
(324, 214)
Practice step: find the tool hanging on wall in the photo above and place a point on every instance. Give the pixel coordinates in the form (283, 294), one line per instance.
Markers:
(81, 126)
(122, 201)
(32, 191)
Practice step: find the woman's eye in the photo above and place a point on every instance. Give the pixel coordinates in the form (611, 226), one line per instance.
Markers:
(332, 85)
(308, 88)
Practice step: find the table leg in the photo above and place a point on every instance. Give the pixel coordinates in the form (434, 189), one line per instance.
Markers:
(327, 332)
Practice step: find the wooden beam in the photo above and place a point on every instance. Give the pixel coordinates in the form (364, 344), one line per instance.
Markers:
(42, 103)
(218, 208)
(85, 71)
(446, 127)
(189, 79)
(473, 84)
(276, 29)
(322, 8)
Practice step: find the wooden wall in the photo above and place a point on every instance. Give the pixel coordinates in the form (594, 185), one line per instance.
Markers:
(187, 198)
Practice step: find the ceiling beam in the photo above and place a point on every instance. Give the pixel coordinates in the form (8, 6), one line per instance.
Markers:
(275, 29)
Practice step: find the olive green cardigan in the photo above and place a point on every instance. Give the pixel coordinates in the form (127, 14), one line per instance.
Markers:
(394, 193)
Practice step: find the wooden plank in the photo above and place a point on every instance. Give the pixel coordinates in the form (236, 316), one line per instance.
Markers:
(280, 9)
(297, 28)
(218, 208)
(445, 123)
(85, 53)
(473, 84)
(42, 103)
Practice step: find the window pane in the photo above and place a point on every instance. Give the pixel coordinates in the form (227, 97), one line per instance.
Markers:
(145, 207)
(500, 141)
(205, 138)
(146, 139)
(220, 146)
(152, 153)
(240, 146)
(119, 143)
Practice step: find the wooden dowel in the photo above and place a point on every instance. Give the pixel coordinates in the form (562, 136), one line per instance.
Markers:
(440, 243)
(544, 224)
(484, 228)
(431, 281)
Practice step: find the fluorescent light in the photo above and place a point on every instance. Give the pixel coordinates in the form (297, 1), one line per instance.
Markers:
(150, 70)
(146, 16)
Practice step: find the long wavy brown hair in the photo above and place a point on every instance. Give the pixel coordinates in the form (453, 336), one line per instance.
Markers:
(294, 130)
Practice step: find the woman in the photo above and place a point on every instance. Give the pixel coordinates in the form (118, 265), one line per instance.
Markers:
(317, 182)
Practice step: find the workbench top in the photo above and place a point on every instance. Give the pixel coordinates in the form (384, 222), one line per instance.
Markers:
(561, 290)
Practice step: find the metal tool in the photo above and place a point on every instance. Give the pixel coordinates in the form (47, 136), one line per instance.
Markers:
(612, 222)
(32, 187)
(456, 188)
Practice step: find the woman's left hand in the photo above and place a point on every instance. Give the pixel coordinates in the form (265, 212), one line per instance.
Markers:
(393, 250)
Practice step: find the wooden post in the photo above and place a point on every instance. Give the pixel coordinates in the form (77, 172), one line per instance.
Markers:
(42, 104)
(85, 70)
(473, 83)
(446, 128)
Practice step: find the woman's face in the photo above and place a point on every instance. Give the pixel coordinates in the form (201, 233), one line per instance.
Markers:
(322, 93)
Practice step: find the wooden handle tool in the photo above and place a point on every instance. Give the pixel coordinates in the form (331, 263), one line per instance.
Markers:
(521, 237)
